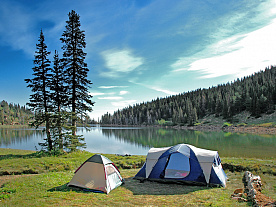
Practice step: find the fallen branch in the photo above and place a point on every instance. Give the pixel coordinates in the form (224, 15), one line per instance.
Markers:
(252, 191)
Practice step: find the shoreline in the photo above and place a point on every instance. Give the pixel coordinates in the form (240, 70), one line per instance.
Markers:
(233, 129)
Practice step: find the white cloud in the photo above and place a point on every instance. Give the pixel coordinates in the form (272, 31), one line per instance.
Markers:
(111, 98)
(96, 94)
(168, 92)
(123, 92)
(119, 62)
(239, 55)
(108, 87)
(122, 104)
(156, 88)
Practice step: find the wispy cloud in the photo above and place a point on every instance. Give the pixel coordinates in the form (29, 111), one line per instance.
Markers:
(123, 92)
(96, 94)
(155, 87)
(122, 104)
(120, 62)
(111, 98)
(108, 87)
(238, 55)
(168, 92)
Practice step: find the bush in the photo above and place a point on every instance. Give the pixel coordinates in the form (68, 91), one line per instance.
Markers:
(226, 124)
(271, 124)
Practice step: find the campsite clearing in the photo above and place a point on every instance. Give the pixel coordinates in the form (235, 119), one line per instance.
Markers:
(49, 187)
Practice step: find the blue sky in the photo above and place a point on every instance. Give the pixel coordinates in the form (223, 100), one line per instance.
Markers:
(140, 50)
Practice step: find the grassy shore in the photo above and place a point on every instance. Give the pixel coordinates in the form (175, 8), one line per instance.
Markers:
(13, 126)
(31, 178)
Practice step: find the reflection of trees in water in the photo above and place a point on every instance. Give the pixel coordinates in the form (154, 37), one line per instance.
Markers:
(133, 136)
(228, 144)
(13, 136)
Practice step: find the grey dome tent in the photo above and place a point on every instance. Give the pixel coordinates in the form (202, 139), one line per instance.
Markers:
(183, 163)
(98, 174)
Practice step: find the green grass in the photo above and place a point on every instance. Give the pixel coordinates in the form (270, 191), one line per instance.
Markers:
(14, 162)
(30, 162)
(49, 186)
(233, 164)
(13, 126)
(50, 189)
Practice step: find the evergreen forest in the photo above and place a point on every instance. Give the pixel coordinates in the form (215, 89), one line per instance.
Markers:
(255, 94)
(14, 114)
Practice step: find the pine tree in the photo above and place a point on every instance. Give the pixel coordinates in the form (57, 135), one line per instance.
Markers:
(40, 99)
(59, 97)
(76, 72)
(2, 120)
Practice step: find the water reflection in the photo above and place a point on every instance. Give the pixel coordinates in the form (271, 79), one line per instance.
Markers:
(99, 142)
(115, 140)
(21, 138)
(228, 144)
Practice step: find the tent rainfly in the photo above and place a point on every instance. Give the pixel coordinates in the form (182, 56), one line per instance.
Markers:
(183, 163)
(98, 174)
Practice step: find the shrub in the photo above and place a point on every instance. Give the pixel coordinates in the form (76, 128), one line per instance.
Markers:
(226, 124)
(271, 124)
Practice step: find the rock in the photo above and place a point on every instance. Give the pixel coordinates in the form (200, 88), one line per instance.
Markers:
(239, 195)
(253, 188)
(239, 199)
(238, 190)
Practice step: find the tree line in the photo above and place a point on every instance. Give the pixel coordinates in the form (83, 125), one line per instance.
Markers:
(60, 97)
(255, 93)
(14, 114)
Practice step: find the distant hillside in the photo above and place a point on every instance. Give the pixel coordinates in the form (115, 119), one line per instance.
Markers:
(255, 94)
(13, 114)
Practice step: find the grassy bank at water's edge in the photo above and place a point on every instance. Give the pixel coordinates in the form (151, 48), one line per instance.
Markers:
(47, 186)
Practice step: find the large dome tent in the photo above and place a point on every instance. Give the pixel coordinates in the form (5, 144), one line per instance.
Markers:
(183, 163)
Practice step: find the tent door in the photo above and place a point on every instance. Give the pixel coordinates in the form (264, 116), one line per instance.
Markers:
(178, 166)
(113, 178)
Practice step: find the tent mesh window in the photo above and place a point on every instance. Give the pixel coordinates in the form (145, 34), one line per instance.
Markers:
(176, 169)
(113, 177)
(110, 170)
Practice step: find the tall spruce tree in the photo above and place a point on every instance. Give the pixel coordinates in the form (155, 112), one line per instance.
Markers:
(73, 39)
(58, 96)
(40, 99)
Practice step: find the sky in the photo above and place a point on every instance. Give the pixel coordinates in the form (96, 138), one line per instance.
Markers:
(139, 50)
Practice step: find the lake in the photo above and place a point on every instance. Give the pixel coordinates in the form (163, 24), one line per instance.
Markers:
(137, 141)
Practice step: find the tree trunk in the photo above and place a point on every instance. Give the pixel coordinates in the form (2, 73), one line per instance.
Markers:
(49, 139)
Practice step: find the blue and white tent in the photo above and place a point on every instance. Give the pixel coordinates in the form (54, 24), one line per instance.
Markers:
(183, 163)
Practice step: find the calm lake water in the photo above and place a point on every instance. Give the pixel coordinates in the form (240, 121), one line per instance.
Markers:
(137, 141)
